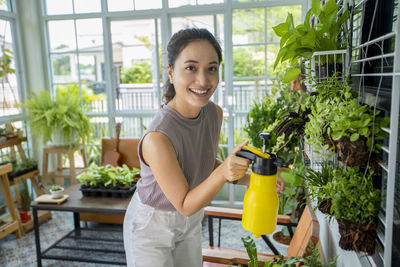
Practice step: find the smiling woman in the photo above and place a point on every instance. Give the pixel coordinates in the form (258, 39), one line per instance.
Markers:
(180, 174)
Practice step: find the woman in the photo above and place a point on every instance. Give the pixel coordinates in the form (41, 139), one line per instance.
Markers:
(180, 174)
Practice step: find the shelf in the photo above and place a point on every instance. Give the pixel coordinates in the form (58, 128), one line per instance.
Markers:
(12, 142)
(9, 227)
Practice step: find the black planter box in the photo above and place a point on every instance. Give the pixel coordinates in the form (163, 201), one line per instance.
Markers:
(105, 192)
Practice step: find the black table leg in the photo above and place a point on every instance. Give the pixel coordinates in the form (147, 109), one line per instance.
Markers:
(270, 245)
(77, 224)
(210, 231)
(37, 236)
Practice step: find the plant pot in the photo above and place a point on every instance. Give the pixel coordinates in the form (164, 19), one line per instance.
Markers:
(357, 237)
(58, 138)
(352, 153)
(25, 216)
(57, 193)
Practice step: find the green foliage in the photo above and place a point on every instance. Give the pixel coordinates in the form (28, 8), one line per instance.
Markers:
(316, 180)
(301, 41)
(62, 65)
(56, 188)
(109, 176)
(73, 90)
(355, 120)
(354, 197)
(245, 65)
(140, 72)
(5, 63)
(293, 178)
(311, 260)
(65, 113)
(25, 197)
(329, 94)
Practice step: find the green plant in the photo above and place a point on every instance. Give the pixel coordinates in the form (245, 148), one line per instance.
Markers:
(109, 176)
(328, 95)
(354, 197)
(293, 178)
(63, 113)
(311, 260)
(354, 120)
(25, 197)
(56, 188)
(315, 182)
(301, 41)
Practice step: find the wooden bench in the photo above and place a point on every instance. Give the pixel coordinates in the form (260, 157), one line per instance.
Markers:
(307, 230)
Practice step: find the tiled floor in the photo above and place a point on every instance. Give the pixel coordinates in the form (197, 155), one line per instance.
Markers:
(21, 252)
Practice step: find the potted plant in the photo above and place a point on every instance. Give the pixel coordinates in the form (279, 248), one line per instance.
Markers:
(356, 130)
(301, 41)
(56, 191)
(109, 181)
(60, 120)
(25, 203)
(315, 182)
(355, 205)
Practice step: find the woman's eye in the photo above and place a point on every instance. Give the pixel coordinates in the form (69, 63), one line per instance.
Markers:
(213, 69)
(191, 68)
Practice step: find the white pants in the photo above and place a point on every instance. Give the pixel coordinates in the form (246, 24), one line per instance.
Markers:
(157, 238)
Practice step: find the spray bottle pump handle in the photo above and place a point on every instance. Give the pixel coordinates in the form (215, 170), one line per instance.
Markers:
(265, 137)
(246, 154)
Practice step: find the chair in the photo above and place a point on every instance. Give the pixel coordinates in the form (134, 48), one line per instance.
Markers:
(307, 230)
(127, 148)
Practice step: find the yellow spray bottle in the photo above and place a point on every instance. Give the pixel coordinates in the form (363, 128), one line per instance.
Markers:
(260, 206)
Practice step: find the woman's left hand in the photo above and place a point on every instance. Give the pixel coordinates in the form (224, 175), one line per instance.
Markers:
(280, 186)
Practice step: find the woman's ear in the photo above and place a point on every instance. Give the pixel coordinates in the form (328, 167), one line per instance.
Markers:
(170, 74)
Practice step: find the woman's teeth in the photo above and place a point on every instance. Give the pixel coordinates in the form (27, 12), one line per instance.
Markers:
(198, 92)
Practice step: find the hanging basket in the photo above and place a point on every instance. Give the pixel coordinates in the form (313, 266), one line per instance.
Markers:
(356, 236)
(352, 153)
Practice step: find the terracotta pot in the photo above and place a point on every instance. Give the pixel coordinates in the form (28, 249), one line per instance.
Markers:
(357, 236)
(25, 216)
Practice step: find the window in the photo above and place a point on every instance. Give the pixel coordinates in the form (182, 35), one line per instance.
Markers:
(114, 57)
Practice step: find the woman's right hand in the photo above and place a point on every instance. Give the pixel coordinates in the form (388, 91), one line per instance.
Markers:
(235, 167)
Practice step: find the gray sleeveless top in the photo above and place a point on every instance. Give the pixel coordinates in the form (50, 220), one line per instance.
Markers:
(194, 143)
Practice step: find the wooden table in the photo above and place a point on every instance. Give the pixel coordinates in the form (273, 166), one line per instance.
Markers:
(105, 245)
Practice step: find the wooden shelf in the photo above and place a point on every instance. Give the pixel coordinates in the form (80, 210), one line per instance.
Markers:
(12, 142)
(9, 227)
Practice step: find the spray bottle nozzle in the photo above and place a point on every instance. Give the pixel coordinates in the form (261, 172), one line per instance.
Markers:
(265, 137)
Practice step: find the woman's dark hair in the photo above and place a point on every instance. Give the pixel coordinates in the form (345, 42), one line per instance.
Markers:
(177, 43)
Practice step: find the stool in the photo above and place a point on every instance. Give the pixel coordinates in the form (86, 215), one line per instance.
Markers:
(13, 224)
(60, 173)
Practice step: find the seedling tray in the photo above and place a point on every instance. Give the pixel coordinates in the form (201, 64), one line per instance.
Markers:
(105, 192)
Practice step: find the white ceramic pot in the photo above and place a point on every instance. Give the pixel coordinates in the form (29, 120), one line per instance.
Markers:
(57, 193)
(59, 138)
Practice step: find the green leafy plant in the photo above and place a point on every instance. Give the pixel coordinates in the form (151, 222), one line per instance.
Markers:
(311, 260)
(301, 41)
(315, 182)
(323, 104)
(25, 197)
(355, 121)
(56, 188)
(293, 179)
(64, 114)
(109, 176)
(354, 197)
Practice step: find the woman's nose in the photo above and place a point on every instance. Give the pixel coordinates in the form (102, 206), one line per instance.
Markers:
(203, 78)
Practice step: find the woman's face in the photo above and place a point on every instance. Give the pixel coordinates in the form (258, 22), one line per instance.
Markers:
(195, 75)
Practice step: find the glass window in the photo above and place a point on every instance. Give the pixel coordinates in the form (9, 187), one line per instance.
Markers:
(9, 93)
(87, 6)
(134, 55)
(56, 7)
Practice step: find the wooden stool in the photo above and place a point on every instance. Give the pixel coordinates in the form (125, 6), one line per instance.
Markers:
(72, 172)
(12, 224)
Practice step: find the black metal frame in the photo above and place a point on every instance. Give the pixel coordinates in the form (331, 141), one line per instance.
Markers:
(264, 237)
(75, 234)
